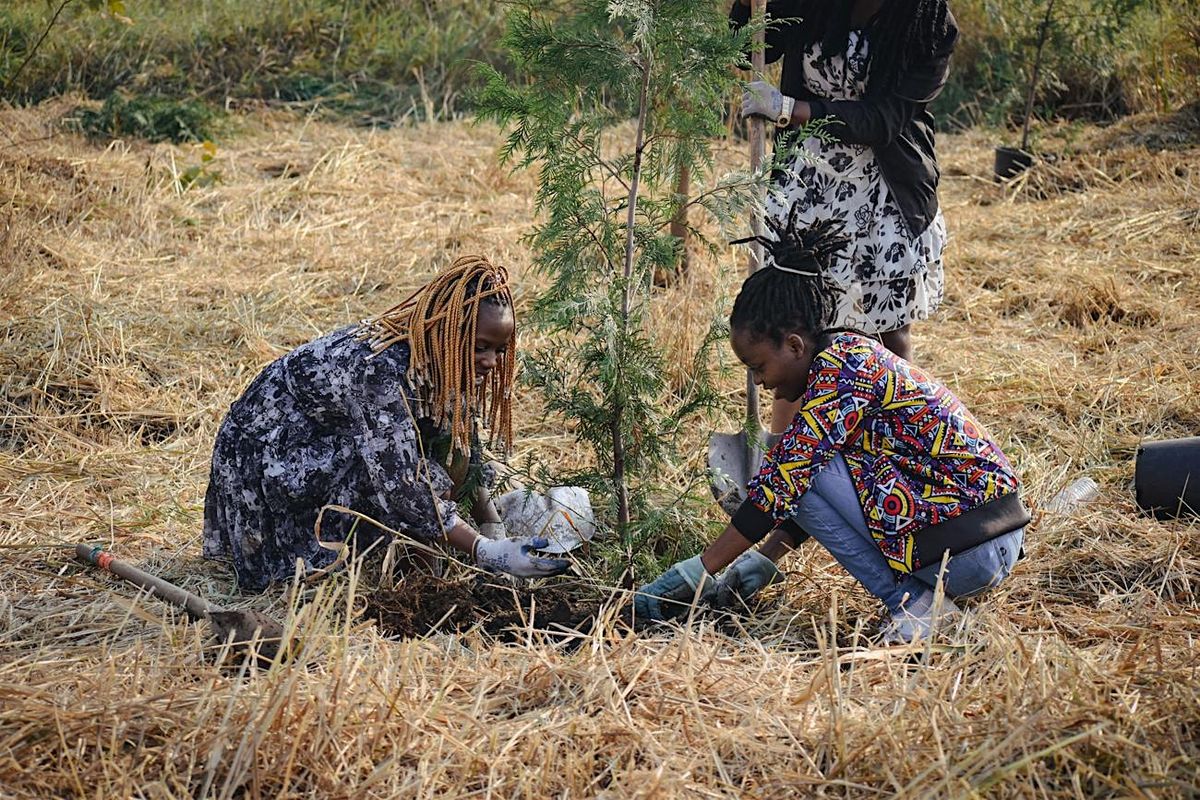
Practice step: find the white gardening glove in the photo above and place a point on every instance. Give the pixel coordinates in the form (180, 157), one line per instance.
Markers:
(744, 577)
(761, 99)
(516, 557)
(493, 530)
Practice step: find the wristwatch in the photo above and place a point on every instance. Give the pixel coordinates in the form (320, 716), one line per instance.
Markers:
(785, 112)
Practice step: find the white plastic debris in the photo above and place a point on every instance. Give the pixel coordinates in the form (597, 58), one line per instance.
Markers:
(1078, 492)
(563, 515)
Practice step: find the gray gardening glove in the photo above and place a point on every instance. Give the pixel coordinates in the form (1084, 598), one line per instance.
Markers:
(761, 99)
(517, 557)
(672, 593)
(744, 577)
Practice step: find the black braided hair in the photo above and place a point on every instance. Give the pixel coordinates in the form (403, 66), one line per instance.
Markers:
(792, 292)
(913, 29)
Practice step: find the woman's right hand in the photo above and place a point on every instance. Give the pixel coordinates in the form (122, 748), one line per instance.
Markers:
(518, 557)
(761, 99)
(743, 578)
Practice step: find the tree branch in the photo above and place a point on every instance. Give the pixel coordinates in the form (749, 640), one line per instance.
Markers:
(36, 45)
(619, 407)
(612, 172)
(595, 240)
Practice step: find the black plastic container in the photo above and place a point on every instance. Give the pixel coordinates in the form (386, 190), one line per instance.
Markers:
(1166, 477)
(1010, 162)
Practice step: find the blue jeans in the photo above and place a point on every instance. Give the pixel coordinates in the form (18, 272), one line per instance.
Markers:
(831, 513)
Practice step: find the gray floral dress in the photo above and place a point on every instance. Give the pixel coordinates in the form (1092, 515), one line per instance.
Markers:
(324, 424)
(891, 277)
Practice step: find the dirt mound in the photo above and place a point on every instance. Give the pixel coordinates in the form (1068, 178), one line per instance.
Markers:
(423, 604)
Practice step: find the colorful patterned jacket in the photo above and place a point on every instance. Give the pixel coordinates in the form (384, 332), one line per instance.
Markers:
(929, 476)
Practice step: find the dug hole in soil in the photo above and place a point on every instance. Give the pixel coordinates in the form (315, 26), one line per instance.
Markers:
(423, 604)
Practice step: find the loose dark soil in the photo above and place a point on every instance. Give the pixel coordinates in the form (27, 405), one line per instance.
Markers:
(423, 604)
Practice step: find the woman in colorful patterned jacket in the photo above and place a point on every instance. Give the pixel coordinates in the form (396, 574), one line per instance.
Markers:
(882, 464)
(379, 418)
(870, 69)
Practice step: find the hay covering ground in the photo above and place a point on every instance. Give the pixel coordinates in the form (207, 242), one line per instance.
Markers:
(133, 314)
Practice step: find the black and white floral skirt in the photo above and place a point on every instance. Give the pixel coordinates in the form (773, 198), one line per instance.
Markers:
(890, 278)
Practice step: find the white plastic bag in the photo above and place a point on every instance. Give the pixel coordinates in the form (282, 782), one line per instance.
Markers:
(563, 515)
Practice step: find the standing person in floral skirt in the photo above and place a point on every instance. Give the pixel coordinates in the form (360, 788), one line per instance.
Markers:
(871, 67)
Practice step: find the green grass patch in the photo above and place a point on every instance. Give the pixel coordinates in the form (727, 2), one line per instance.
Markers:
(376, 62)
(1102, 59)
(380, 62)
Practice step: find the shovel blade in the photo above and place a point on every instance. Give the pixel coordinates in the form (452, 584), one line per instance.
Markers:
(249, 630)
(732, 461)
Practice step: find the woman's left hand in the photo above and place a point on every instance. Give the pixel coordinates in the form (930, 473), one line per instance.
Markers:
(761, 99)
(743, 578)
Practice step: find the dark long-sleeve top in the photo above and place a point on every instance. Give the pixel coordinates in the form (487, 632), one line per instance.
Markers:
(895, 123)
(328, 413)
(928, 475)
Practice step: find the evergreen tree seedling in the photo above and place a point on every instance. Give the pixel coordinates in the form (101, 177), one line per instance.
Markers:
(613, 98)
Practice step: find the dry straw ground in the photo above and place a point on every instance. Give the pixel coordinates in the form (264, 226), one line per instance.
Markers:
(133, 313)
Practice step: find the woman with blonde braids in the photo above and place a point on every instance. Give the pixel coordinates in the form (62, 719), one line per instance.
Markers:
(380, 417)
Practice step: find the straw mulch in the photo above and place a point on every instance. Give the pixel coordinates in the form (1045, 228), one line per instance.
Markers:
(133, 313)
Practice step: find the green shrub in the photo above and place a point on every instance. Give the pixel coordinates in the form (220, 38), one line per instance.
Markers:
(612, 101)
(380, 61)
(1102, 59)
(202, 174)
(157, 119)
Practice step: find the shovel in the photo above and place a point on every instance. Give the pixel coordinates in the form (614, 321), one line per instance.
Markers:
(244, 629)
(733, 457)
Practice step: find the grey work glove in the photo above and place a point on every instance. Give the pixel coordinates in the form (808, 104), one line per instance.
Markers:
(744, 577)
(761, 99)
(517, 557)
(672, 593)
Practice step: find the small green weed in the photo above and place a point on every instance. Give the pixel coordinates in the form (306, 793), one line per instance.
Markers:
(202, 174)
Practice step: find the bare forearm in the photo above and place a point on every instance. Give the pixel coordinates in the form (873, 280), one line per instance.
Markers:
(462, 537)
(777, 545)
(728, 546)
(484, 509)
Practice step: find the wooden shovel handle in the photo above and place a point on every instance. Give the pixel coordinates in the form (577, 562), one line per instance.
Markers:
(757, 150)
(197, 607)
(757, 137)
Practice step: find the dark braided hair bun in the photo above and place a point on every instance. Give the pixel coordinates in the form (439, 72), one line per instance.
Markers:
(792, 292)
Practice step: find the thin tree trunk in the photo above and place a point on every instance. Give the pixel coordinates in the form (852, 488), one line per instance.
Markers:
(679, 223)
(757, 152)
(627, 287)
(36, 45)
(1043, 31)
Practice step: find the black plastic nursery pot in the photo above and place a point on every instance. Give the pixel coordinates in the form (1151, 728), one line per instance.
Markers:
(1010, 162)
(1166, 477)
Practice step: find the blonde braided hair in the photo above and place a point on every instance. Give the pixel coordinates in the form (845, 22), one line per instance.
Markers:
(438, 321)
